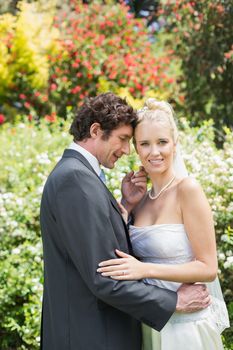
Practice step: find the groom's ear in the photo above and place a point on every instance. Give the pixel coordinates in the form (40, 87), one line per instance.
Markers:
(95, 130)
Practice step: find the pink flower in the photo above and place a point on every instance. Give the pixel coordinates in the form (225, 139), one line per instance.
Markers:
(53, 87)
(228, 54)
(76, 89)
(2, 118)
(27, 105)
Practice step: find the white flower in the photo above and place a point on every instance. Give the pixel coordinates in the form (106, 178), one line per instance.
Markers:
(43, 158)
(19, 201)
(16, 251)
(228, 263)
(14, 223)
(221, 256)
(7, 195)
(21, 126)
(37, 259)
(229, 253)
(224, 238)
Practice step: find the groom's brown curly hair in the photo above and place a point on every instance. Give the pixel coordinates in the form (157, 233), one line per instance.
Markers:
(107, 109)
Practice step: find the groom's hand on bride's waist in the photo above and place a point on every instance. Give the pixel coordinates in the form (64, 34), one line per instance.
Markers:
(192, 297)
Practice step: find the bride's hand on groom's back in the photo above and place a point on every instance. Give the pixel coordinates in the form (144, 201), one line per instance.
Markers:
(192, 297)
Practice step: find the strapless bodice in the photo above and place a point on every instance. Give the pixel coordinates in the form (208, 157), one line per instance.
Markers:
(169, 244)
(161, 244)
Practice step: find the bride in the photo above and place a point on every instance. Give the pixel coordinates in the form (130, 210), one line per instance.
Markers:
(172, 236)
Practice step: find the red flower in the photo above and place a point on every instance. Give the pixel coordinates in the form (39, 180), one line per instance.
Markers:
(102, 25)
(228, 54)
(44, 98)
(22, 96)
(76, 89)
(170, 80)
(27, 105)
(75, 64)
(52, 118)
(53, 87)
(2, 118)
(123, 81)
(112, 75)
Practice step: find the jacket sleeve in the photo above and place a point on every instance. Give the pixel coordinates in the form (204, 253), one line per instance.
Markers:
(83, 216)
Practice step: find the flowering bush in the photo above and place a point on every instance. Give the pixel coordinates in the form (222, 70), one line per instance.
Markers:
(203, 40)
(102, 44)
(29, 154)
(99, 47)
(214, 169)
(26, 39)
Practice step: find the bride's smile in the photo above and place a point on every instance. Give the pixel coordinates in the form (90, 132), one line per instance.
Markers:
(155, 147)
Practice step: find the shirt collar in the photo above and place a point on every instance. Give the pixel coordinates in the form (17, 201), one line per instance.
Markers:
(89, 156)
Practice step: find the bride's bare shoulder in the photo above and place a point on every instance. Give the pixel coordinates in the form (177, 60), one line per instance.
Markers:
(189, 186)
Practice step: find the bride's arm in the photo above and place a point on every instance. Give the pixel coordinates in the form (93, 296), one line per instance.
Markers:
(199, 226)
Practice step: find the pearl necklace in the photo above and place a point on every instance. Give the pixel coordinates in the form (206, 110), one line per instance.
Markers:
(162, 189)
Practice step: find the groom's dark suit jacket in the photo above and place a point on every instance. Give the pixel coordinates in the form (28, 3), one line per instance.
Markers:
(81, 225)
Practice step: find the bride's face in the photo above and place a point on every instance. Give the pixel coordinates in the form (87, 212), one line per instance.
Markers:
(155, 146)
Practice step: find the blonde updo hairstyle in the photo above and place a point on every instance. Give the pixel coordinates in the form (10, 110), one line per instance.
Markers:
(159, 111)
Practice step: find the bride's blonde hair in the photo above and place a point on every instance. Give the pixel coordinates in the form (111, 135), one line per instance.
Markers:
(160, 111)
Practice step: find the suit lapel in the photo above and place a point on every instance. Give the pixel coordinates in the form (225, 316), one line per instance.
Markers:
(70, 153)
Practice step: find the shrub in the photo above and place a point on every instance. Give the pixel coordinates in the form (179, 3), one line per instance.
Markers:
(30, 152)
(103, 44)
(202, 37)
(213, 169)
(26, 39)
(99, 46)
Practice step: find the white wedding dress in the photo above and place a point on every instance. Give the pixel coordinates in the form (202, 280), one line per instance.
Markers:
(169, 244)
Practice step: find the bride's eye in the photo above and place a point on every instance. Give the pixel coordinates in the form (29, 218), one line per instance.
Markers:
(162, 142)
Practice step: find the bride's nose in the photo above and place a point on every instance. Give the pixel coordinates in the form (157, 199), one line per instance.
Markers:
(154, 150)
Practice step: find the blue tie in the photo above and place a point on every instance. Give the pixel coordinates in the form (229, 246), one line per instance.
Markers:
(102, 176)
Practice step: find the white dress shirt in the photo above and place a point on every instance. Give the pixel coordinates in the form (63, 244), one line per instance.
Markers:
(89, 157)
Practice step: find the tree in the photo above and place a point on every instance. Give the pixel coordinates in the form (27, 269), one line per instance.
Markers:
(203, 40)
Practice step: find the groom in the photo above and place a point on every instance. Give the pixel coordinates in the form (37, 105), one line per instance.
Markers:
(81, 225)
